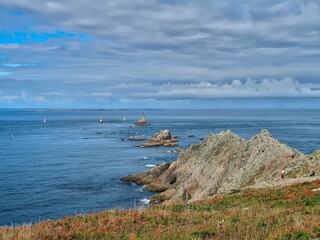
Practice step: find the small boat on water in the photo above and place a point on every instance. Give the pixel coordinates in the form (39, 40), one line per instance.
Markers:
(124, 119)
(44, 120)
(101, 120)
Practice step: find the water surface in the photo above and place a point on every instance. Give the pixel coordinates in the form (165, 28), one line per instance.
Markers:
(71, 164)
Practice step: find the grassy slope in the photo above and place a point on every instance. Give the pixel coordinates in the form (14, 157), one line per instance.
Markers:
(291, 212)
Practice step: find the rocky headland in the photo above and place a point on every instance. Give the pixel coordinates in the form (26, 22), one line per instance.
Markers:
(224, 163)
(162, 138)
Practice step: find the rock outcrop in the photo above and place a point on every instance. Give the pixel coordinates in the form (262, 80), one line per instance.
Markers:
(148, 176)
(222, 163)
(162, 138)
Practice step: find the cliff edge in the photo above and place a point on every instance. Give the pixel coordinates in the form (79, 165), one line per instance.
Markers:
(222, 163)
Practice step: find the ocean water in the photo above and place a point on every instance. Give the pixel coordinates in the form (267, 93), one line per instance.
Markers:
(71, 164)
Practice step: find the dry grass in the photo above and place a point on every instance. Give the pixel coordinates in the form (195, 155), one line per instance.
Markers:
(291, 212)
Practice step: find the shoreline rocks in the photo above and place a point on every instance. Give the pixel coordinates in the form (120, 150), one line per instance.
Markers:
(162, 138)
(148, 176)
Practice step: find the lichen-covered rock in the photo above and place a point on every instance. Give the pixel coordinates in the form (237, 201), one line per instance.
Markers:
(223, 162)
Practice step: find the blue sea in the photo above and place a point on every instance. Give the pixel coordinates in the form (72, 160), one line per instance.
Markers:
(71, 164)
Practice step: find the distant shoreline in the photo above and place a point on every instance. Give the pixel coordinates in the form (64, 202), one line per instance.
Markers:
(147, 109)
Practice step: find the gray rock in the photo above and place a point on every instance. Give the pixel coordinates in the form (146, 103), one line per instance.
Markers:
(148, 176)
(289, 170)
(162, 138)
(223, 162)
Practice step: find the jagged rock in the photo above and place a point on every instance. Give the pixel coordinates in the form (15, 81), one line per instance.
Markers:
(148, 176)
(223, 162)
(162, 138)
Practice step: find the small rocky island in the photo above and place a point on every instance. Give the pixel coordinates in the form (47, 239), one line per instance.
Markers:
(142, 121)
(224, 163)
(162, 138)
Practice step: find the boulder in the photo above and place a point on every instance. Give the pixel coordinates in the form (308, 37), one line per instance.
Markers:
(162, 138)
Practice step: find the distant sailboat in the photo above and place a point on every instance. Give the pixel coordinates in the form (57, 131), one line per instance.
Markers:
(124, 119)
(101, 120)
(44, 120)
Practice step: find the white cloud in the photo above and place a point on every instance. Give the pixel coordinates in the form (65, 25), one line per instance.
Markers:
(133, 48)
(100, 94)
(54, 94)
(13, 98)
(40, 99)
(5, 73)
(16, 65)
(9, 99)
(264, 88)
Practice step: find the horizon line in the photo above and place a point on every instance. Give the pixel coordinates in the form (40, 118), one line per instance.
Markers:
(158, 109)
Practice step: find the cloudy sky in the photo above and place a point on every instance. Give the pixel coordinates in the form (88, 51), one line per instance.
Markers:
(209, 54)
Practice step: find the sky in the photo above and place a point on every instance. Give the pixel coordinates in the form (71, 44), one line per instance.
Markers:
(174, 54)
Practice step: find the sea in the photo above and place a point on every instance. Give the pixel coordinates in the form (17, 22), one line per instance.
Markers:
(56, 163)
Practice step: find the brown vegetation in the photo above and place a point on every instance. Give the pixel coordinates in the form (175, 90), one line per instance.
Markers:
(291, 212)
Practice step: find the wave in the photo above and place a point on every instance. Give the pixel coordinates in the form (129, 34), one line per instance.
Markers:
(144, 201)
(142, 188)
(148, 158)
(172, 151)
(150, 165)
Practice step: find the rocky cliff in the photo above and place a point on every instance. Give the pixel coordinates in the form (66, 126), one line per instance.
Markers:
(222, 163)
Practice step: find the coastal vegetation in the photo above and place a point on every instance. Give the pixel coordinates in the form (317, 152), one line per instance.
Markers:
(290, 212)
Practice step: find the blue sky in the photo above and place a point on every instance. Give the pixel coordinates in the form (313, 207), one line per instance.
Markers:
(205, 54)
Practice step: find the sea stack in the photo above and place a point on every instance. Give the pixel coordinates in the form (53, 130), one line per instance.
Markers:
(142, 121)
(162, 138)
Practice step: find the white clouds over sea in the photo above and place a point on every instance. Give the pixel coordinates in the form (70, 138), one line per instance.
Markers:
(99, 53)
